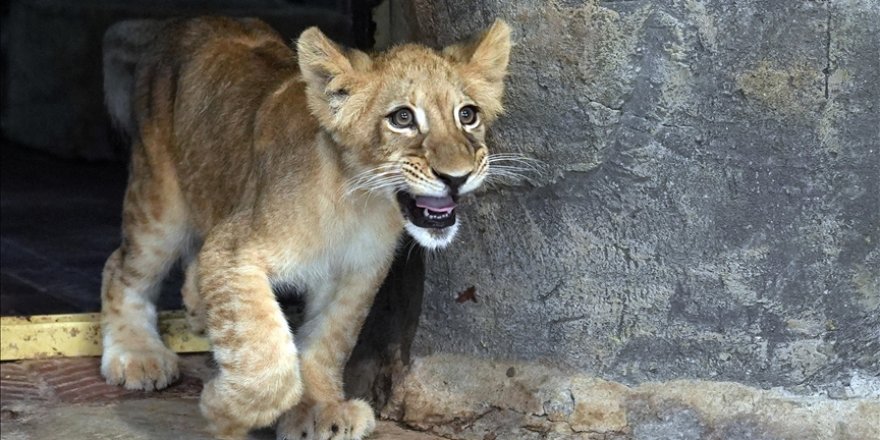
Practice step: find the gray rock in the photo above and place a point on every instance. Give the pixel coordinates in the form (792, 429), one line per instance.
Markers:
(674, 425)
(467, 398)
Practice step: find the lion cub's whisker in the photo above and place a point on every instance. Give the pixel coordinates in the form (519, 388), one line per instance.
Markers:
(375, 183)
(368, 177)
(525, 161)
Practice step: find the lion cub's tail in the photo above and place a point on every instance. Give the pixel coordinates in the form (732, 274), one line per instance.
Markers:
(125, 44)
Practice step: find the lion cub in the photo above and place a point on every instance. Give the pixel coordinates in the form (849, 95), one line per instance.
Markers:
(258, 166)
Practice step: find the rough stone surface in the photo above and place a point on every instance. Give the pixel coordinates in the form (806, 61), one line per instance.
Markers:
(705, 227)
(710, 204)
(467, 398)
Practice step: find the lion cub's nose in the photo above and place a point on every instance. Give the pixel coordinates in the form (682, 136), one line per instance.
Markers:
(454, 182)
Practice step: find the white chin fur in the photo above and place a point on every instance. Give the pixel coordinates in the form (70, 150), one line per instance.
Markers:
(432, 238)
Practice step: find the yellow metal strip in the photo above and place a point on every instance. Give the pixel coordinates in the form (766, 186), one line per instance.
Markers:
(44, 336)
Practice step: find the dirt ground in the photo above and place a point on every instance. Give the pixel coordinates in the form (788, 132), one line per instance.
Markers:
(66, 399)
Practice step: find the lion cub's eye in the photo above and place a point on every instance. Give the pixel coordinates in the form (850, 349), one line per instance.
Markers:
(402, 118)
(467, 115)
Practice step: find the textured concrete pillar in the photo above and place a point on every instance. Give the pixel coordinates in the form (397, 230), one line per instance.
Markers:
(710, 211)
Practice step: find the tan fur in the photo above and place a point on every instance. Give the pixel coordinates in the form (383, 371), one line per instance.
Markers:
(259, 166)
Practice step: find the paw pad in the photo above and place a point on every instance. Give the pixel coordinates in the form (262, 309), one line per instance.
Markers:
(346, 420)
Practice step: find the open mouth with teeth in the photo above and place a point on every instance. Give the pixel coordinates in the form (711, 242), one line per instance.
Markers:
(428, 212)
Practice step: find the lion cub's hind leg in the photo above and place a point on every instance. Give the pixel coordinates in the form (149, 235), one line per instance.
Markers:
(153, 230)
(195, 310)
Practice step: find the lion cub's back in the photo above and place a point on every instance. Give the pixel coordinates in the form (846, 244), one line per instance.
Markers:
(205, 81)
(224, 70)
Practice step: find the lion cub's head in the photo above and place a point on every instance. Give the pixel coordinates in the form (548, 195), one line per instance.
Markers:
(412, 121)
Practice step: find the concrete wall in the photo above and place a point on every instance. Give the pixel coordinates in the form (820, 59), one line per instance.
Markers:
(710, 209)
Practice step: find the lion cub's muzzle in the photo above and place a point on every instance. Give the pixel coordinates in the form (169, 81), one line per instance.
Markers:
(426, 211)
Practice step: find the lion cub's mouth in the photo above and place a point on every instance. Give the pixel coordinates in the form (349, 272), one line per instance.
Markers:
(428, 212)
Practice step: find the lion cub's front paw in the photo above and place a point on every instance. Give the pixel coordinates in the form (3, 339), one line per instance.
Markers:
(141, 369)
(236, 403)
(345, 420)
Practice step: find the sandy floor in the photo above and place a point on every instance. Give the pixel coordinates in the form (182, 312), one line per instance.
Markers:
(66, 399)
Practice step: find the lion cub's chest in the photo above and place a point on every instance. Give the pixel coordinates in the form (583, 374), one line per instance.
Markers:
(363, 239)
(353, 240)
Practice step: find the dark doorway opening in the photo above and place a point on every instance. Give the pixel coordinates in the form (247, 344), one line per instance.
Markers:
(64, 169)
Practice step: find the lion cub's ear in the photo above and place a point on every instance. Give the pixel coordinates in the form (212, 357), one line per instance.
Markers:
(484, 65)
(488, 54)
(329, 72)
